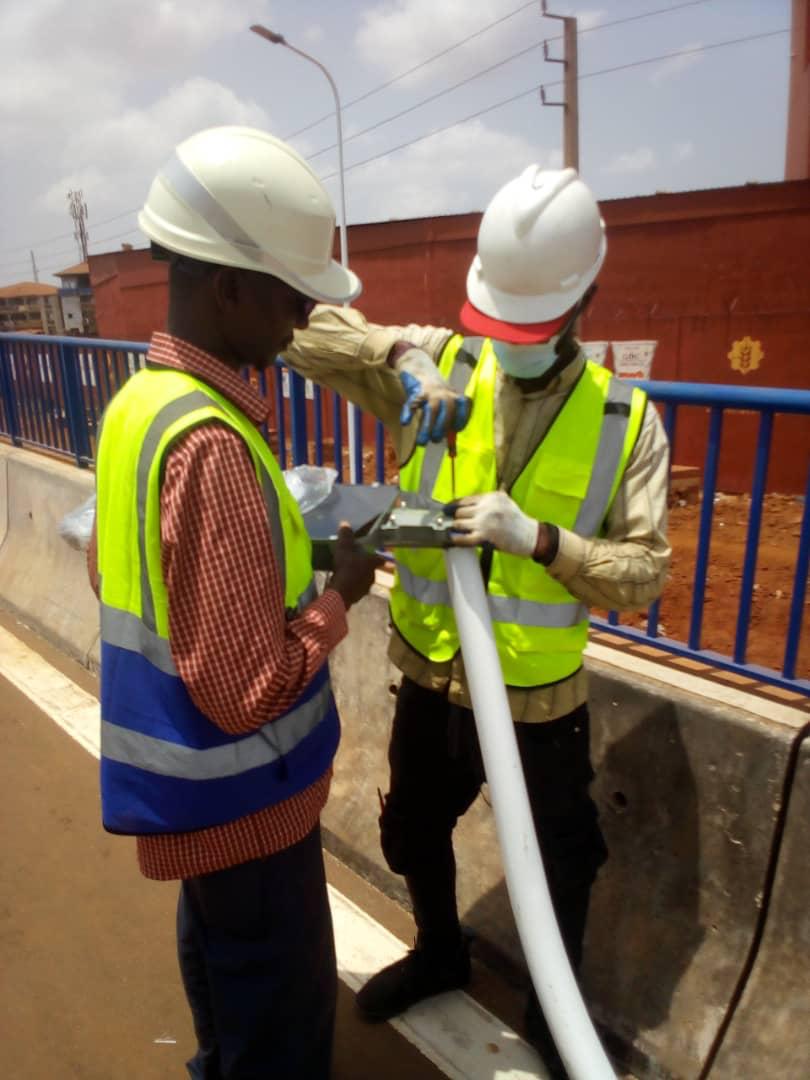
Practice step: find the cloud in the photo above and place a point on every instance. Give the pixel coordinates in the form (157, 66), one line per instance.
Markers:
(63, 57)
(683, 151)
(435, 176)
(113, 160)
(676, 65)
(85, 101)
(313, 34)
(632, 161)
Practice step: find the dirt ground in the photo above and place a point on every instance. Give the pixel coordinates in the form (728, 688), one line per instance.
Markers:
(773, 581)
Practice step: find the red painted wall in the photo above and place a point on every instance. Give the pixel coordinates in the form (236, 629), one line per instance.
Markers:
(695, 271)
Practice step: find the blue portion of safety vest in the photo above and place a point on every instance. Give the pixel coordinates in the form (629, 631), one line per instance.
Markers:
(187, 805)
(140, 698)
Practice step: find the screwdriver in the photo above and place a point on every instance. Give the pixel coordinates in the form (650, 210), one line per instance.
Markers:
(451, 453)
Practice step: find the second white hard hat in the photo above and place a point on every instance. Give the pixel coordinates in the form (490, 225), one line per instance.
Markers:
(541, 243)
(237, 196)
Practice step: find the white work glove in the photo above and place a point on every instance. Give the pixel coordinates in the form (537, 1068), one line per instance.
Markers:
(443, 410)
(494, 518)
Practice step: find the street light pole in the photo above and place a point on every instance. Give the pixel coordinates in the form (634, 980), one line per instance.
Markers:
(279, 39)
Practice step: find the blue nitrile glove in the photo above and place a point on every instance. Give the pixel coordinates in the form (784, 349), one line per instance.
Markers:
(442, 408)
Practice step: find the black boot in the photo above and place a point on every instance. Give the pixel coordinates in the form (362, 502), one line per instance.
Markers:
(418, 975)
(539, 1035)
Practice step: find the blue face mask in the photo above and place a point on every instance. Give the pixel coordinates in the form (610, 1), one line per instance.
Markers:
(526, 361)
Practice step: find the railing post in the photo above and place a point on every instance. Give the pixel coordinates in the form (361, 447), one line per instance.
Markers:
(337, 421)
(752, 542)
(356, 444)
(799, 589)
(706, 516)
(298, 418)
(74, 403)
(281, 425)
(7, 391)
(379, 436)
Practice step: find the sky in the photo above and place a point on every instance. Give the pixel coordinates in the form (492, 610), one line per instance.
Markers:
(94, 95)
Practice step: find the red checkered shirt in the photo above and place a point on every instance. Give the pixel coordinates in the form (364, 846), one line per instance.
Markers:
(242, 661)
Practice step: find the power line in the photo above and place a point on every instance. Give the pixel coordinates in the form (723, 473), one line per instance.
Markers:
(427, 100)
(477, 75)
(93, 243)
(418, 67)
(533, 89)
(397, 78)
(677, 53)
(63, 236)
(433, 97)
(9, 268)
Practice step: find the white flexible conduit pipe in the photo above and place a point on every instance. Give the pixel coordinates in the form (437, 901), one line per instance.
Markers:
(564, 1009)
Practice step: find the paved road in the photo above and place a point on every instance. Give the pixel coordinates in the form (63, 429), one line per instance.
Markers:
(90, 987)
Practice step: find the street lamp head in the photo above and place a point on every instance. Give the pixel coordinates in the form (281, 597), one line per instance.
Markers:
(270, 35)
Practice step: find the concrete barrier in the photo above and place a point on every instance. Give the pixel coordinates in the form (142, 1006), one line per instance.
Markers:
(689, 784)
(689, 792)
(688, 789)
(43, 579)
(769, 1034)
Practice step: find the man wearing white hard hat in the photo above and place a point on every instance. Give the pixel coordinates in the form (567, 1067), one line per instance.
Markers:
(561, 480)
(218, 722)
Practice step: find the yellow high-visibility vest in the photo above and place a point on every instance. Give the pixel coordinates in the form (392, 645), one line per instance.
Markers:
(571, 480)
(165, 767)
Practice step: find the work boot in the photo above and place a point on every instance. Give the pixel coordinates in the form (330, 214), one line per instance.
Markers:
(418, 975)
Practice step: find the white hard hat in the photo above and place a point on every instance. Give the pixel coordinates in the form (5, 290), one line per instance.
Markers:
(236, 196)
(541, 243)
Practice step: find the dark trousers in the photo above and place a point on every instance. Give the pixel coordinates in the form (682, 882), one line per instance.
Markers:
(257, 957)
(436, 774)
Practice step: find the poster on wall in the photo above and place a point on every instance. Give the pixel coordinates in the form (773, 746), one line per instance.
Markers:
(633, 359)
(595, 351)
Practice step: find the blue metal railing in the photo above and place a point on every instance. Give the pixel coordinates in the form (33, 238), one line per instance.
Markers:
(53, 390)
(767, 402)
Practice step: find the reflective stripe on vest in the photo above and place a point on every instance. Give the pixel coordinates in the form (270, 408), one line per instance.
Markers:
(507, 609)
(165, 766)
(540, 628)
(168, 758)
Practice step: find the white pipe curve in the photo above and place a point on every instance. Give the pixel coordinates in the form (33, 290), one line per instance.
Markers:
(557, 989)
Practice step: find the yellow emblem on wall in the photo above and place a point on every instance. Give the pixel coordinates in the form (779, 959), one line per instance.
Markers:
(746, 355)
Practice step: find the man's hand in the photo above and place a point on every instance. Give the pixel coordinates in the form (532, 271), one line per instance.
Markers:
(494, 518)
(354, 567)
(442, 409)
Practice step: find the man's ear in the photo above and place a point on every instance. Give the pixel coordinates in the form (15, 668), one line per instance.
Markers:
(227, 287)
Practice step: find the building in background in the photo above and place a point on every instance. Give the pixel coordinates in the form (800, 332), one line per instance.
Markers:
(78, 304)
(716, 279)
(31, 307)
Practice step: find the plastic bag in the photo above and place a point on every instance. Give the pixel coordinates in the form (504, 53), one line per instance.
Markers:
(76, 527)
(310, 485)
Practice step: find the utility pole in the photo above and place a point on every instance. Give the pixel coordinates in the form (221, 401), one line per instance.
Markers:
(78, 211)
(34, 267)
(570, 104)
